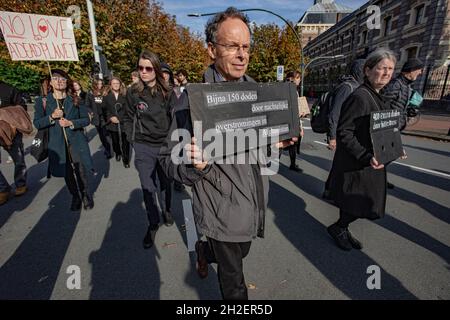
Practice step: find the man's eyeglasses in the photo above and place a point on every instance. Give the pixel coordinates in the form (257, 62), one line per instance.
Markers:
(59, 79)
(233, 48)
(148, 69)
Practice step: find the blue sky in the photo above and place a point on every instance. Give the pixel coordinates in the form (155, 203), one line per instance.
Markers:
(291, 10)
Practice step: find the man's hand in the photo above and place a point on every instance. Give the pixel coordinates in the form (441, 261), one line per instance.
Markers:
(65, 123)
(194, 153)
(374, 163)
(286, 143)
(114, 119)
(332, 144)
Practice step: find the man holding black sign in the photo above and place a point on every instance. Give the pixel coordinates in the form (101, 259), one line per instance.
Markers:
(229, 199)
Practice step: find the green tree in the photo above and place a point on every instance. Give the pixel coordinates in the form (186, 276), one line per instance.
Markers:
(123, 28)
(272, 46)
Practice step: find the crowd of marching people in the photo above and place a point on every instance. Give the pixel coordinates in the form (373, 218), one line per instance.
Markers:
(140, 118)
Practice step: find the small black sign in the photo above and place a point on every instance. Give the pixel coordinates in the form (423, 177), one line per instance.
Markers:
(386, 139)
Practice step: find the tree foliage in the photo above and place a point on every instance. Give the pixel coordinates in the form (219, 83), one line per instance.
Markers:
(123, 28)
(126, 27)
(271, 47)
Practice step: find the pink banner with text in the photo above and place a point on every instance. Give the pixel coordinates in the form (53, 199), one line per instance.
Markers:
(38, 37)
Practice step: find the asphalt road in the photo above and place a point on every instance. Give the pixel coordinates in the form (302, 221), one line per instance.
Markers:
(40, 238)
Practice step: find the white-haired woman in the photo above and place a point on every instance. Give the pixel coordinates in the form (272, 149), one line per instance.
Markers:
(359, 189)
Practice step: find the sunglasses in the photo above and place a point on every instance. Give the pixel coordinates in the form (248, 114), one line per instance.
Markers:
(148, 69)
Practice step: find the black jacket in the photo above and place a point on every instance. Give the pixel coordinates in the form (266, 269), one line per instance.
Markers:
(10, 96)
(398, 91)
(347, 85)
(94, 105)
(114, 107)
(147, 118)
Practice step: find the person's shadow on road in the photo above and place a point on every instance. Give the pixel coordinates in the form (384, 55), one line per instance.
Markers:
(31, 272)
(121, 268)
(34, 184)
(347, 271)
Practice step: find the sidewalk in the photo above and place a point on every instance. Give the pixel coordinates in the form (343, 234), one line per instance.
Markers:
(432, 125)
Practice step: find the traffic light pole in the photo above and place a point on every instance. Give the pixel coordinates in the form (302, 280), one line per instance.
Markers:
(94, 36)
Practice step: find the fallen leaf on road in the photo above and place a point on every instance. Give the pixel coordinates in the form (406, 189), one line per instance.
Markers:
(169, 244)
(283, 281)
(251, 286)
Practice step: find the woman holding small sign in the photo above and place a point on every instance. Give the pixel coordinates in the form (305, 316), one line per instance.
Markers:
(359, 187)
(68, 149)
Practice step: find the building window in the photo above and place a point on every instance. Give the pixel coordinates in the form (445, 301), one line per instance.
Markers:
(309, 39)
(387, 26)
(419, 12)
(364, 37)
(411, 53)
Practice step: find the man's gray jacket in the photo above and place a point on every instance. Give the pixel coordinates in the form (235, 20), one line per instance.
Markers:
(229, 200)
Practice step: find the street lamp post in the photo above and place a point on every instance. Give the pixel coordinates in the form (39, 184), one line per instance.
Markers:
(315, 59)
(273, 13)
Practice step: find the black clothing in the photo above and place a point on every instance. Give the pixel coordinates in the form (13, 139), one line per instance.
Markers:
(147, 118)
(357, 188)
(398, 91)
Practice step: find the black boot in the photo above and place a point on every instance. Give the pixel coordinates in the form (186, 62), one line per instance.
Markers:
(168, 219)
(353, 241)
(295, 168)
(88, 201)
(149, 238)
(76, 203)
(118, 157)
(340, 236)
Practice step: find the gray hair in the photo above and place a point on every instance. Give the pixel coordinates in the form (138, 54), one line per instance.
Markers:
(378, 55)
(213, 23)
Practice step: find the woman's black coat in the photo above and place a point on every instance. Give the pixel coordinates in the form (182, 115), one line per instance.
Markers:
(357, 188)
(114, 107)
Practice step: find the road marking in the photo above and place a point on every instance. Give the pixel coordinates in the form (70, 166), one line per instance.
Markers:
(307, 128)
(323, 143)
(409, 165)
(424, 170)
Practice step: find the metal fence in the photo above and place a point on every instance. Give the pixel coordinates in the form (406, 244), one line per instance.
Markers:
(437, 83)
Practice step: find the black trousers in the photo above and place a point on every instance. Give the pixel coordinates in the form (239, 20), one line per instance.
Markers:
(76, 179)
(146, 163)
(345, 219)
(102, 134)
(228, 256)
(20, 169)
(122, 150)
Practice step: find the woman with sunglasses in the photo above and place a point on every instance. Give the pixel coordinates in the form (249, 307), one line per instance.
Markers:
(147, 122)
(68, 150)
(113, 104)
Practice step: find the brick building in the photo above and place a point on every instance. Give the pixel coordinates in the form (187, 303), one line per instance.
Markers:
(413, 28)
(319, 18)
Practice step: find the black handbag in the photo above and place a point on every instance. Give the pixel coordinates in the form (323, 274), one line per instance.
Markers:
(39, 145)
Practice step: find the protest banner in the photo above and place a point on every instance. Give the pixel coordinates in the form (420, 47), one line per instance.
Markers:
(38, 37)
(244, 110)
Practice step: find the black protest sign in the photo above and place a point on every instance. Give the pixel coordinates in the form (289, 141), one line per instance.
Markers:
(267, 110)
(386, 139)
